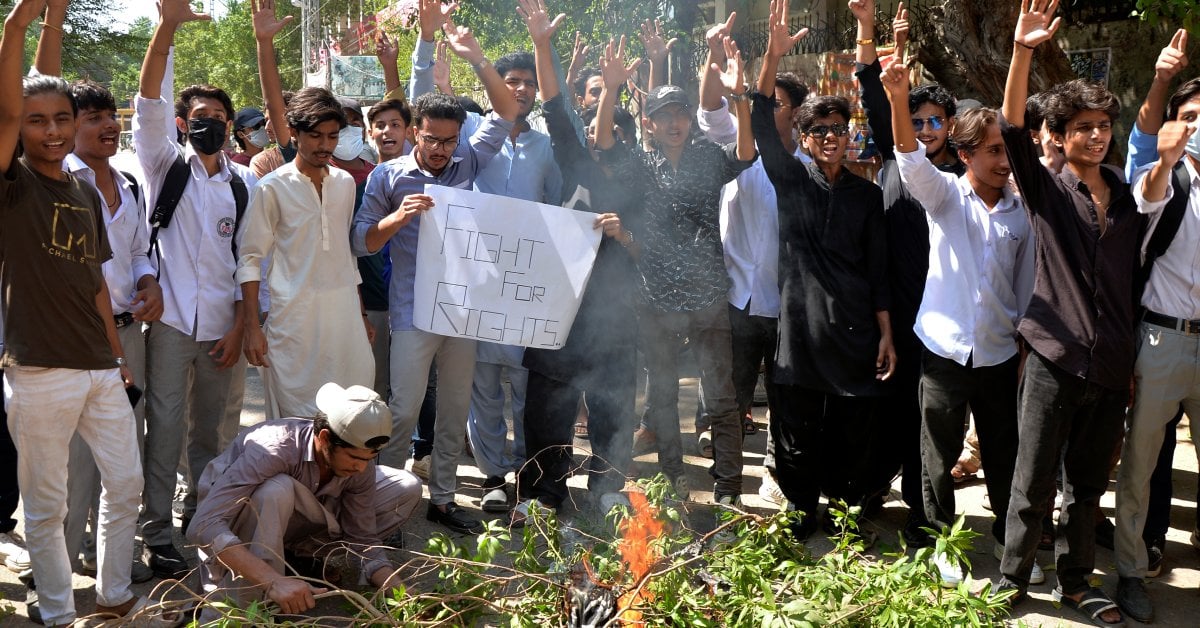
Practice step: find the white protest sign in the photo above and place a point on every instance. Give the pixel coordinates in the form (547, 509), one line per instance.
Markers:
(501, 269)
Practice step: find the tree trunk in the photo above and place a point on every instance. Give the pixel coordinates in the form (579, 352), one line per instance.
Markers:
(966, 46)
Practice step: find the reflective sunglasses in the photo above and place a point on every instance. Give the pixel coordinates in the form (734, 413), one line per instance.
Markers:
(934, 121)
(840, 130)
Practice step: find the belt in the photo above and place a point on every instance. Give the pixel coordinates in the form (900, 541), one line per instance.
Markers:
(123, 320)
(1178, 324)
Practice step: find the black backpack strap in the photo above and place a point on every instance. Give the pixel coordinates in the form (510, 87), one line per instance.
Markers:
(1168, 225)
(241, 198)
(137, 190)
(174, 183)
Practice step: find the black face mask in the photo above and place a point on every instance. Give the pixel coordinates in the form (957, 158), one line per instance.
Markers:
(207, 135)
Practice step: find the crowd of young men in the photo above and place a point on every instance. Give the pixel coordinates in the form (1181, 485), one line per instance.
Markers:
(998, 269)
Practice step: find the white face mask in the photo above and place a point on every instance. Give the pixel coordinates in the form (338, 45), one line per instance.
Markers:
(259, 138)
(1193, 144)
(350, 143)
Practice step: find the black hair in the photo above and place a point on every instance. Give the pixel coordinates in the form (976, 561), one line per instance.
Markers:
(437, 106)
(321, 422)
(468, 104)
(183, 104)
(1186, 92)
(582, 80)
(42, 84)
(92, 96)
(932, 93)
(1035, 111)
(1075, 97)
(791, 83)
(391, 104)
(313, 105)
(821, 106)
(516, 61)
(621, 117)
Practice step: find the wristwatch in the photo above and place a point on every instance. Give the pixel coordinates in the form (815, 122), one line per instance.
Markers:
(120, 362)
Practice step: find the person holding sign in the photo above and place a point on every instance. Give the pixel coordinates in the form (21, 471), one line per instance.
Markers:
(391, 212)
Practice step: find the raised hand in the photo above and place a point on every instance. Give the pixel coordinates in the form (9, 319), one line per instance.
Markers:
(613, 68)
(386, 51)
(900, 30)
(1172, 139)
(1173, 58)
(178, 12)
(652, 40)
(862, 10)
(266, 26)
(537, 21)
(1037, 23)
(717, 34)
(433, 15)
(780, 40)
(462, 41)
(895, 82)
(441, 68)
(731, 77)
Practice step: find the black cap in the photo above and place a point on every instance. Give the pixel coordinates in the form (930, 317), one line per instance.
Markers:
(247, 117)
(665, 95)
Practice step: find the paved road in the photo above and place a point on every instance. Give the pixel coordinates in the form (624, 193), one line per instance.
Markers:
(1175, 592)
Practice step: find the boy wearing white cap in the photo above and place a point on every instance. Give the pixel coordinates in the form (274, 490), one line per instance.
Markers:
(310, 486)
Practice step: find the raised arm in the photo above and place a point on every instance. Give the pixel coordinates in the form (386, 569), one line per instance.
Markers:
(1170, 62)
(1172, 139)
(780, 41)
(864, 13)
(1035, 25)
(389, 57)
(541, 30)
(927, 184)
(579, 53)
(433, 16)
(734, 84)
(895, 83)
(464, 44)
(266, 26)
(175, 13)
(614, 71)
(657, 51)
(49, 51)
(12, 61)
(710, 83)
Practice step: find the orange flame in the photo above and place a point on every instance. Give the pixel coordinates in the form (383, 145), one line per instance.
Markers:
(637, 534)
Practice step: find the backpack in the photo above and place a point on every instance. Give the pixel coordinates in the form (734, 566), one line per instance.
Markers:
(1166, 229)
(172, 190)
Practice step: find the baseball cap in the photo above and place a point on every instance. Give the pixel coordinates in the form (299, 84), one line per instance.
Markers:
(356, 415)
(247, 117)
(665, 95)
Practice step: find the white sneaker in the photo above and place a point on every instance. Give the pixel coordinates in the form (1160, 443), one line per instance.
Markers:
(12, 550)
(770, 492)
(704, 444)
(1036, 575)
(727, 505)
(420, 467)
(949, 570)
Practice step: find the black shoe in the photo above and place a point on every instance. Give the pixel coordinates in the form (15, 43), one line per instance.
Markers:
(138, 574)
(1154, 555)
(913, 533)
(166, 562)
(184, 522)
(1104, 533)
(31, 607)
(1131, 597)
(454, 518)
(1007, 585)
(304, 566)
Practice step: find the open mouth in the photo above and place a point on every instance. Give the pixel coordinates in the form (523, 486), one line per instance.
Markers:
(108, 140)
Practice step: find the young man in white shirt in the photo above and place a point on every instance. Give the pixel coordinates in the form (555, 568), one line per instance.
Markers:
(980, 278)
(200, 335)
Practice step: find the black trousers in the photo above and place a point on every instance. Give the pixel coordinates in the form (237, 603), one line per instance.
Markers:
(1057, 409)
(819, 440)
(1158, 518)
(901, 421)
(422, 438)
(550, 409)
(948, 391)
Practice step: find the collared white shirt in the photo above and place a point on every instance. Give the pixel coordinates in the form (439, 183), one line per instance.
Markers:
(127, 236)
(749, 224)
(1174, 285)
(196, 268)
(981, 266)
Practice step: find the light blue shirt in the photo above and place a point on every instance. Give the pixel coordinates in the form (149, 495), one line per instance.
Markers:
(386, 188)
(1143, 150)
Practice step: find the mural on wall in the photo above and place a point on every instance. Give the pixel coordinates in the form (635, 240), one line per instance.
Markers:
(1093, 64)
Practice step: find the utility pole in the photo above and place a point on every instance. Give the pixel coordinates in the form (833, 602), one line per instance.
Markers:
(310, 35)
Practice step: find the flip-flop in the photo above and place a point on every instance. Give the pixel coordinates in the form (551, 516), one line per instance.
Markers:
(1092, 605)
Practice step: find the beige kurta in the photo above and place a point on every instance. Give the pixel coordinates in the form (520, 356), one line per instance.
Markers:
(314, 330)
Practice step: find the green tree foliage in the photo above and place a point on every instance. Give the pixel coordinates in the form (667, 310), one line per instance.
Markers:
(1174, 13)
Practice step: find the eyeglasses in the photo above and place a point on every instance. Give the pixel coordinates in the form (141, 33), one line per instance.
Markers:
(934, 121)
(777, 105)
(436, 144)
(840, 130)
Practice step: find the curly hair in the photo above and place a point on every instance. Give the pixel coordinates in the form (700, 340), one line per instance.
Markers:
(1074, 97)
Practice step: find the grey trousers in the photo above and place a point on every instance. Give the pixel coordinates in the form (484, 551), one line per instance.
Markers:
(1166, 375)
(284, 514)
(709, 337)
(187, 396)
